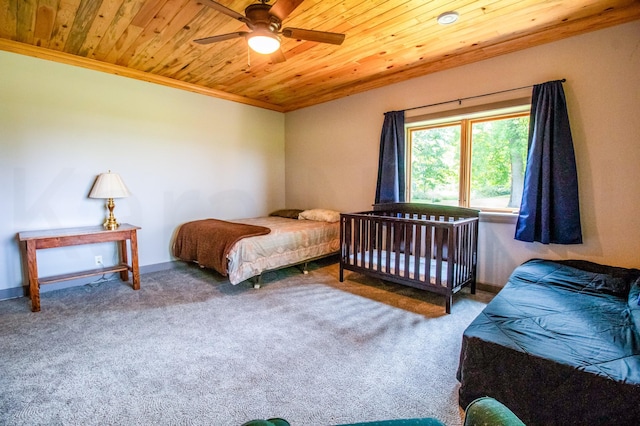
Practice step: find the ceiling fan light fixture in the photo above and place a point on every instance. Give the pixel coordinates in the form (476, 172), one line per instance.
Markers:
(265, 43)
(447, 18)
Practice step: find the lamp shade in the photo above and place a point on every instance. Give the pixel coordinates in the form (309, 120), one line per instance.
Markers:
(109, 185)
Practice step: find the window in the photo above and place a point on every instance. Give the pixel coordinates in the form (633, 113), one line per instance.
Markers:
(474, 160)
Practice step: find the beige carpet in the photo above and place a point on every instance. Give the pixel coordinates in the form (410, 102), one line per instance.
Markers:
(189, 348)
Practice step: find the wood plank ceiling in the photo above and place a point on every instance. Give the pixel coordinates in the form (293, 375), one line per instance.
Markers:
(387, 41)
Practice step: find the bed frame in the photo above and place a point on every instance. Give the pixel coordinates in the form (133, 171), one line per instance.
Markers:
(430, 247)
(303, 266)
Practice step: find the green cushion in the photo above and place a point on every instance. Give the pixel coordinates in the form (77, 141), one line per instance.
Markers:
(400, 422)
(268, 422)
(481, 412)
(488, 411)
(428, 421)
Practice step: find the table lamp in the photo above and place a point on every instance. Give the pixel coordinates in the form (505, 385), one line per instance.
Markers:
(109, 186)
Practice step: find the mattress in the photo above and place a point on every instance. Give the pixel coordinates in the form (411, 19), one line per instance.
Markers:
(290, 242)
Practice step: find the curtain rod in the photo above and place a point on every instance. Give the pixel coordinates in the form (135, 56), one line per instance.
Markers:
(477, 96)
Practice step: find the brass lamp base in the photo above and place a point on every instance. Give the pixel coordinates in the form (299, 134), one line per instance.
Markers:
(111, 224)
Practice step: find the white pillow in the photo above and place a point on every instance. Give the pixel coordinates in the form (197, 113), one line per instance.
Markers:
(320, 215)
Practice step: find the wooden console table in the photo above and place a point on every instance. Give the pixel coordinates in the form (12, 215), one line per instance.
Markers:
(34, 240)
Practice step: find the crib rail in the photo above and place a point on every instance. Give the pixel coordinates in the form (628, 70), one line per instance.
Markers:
(430, 249)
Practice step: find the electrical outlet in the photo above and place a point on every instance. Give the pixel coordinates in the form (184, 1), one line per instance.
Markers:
(99, 260)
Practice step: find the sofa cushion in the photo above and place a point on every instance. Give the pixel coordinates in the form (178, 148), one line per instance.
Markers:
(269, 422)
(426, 421)
(488, 411)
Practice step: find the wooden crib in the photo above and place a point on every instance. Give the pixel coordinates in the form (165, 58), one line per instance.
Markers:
(431, 247)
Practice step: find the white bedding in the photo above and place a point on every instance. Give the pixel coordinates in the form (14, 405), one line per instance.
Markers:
(291, 241)
(392, 266)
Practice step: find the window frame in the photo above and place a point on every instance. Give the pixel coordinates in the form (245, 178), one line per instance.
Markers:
(465, 118)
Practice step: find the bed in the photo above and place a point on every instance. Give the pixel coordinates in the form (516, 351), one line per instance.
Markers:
(261, 244)
(559, 345)
(430, 247)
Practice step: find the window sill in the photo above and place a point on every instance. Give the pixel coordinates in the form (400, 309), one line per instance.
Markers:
(493, 217)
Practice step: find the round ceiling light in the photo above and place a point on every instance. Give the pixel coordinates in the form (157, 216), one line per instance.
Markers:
(447, 18)
(264, 42)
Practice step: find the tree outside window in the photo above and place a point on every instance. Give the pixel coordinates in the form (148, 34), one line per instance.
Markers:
(471, 162)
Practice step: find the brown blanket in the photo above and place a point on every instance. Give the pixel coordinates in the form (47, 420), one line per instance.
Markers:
(208, 241)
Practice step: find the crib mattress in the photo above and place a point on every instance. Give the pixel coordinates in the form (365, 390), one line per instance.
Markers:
(371, 262)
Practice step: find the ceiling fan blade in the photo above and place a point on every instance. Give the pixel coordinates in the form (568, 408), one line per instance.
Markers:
(277, 57)
(310, 35)
(283, 8)
(221, 37)
(220, 8)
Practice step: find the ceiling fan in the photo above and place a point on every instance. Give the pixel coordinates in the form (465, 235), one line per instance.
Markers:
(265, 22)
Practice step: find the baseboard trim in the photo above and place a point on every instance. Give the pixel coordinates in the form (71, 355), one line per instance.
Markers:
(14, 292)
(489, 288)
(23, 291)
(164, 266)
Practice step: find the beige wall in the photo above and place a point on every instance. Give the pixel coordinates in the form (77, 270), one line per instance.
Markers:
(186, 156)
(183, 156)
(332, 148)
